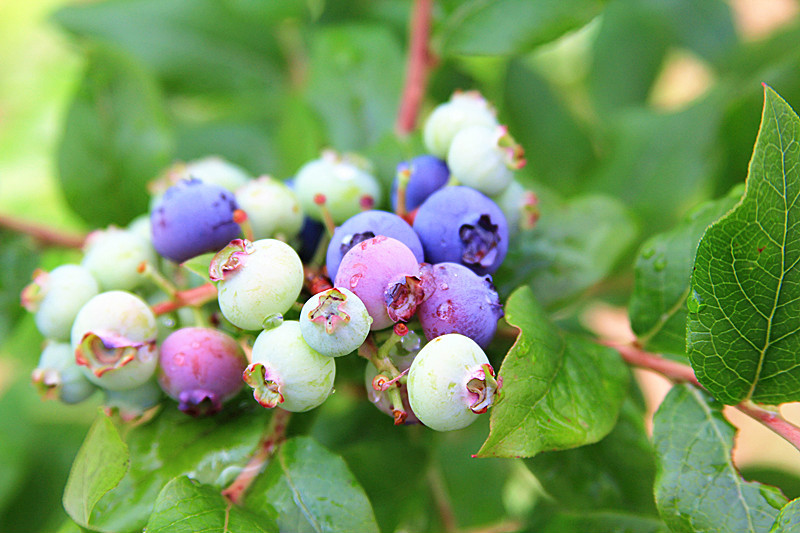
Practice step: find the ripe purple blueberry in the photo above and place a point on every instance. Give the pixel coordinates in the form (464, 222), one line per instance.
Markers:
(372, 270)
(425, 175)
(201, 368)
(367, 225)
(193, 218)
(461, 225)
(462, 302)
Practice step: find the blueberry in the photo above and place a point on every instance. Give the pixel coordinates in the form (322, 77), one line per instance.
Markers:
(193, 218)
(450, 383)
(461, 225)
(364, 226)
(287, 372)
(426, 174)
(369, 268)
(201, 368)
(462, 302)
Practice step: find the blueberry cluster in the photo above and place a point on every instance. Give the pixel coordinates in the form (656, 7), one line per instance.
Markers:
(299, 273)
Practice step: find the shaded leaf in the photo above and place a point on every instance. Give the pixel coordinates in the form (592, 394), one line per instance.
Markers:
(193, 46)
(99, 466)
(211, 450)
(557, 147)
(355, 78)
(115, 139)
(627, 55)
(604, 521)
(697, 485)
(615, 473)
(642, 167)
(184, 505)
(662, 273)
(573, 246)
(19, 259)
(312, 490)
(502, 27)
(247, 143)
(742, 335)
(559, 390)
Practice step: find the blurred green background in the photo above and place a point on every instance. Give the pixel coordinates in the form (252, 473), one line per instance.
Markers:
(654, 102)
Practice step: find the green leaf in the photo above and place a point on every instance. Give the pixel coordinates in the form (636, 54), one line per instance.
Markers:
(312, 490)
(18, 258)
(199, 265)
(99, 466)
(604, 521)
(247, 143)
(615, 473)
(211, 450)
(115, 140)
(557, 146)
(626, 56)
(697, 487)
(197, 46)
(573, 246)
(184, 505)
(367, 63)
(788, 519)
(642, 167)
(559, 390)
(662, 273)
(742, 336)
(503, 27)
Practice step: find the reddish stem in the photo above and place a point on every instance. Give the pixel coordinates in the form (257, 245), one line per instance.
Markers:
(42, 233)
(418, 66)
(194, 297)
(272, 437)
(678, 372)
(772, 420)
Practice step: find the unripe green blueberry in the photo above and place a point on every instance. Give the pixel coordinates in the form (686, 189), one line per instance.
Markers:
(56, 297)
(484, 158)
(343, 182)
(287, 372)
(464, 109)
(335, 322)
(450, 382)
(58, 375)
(272, 208)
(114, 339)
(256, 280)
(113, 256)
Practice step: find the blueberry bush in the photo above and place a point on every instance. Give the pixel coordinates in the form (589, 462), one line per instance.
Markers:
(332, 267)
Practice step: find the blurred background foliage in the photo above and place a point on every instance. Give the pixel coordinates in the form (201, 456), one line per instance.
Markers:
(654, 103)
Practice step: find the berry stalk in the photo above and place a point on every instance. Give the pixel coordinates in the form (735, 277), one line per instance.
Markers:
(418, 67)
(43, 234)
(678, 372)
(274, 434)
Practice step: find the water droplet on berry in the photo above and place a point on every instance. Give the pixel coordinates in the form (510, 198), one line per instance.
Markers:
(648, 253)
(444, 286)
(354, 279)
(178, 359)
(660, 264)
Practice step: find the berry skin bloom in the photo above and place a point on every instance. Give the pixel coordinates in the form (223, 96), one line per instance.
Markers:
(461, 225)
(193, 218)
(201, 368)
